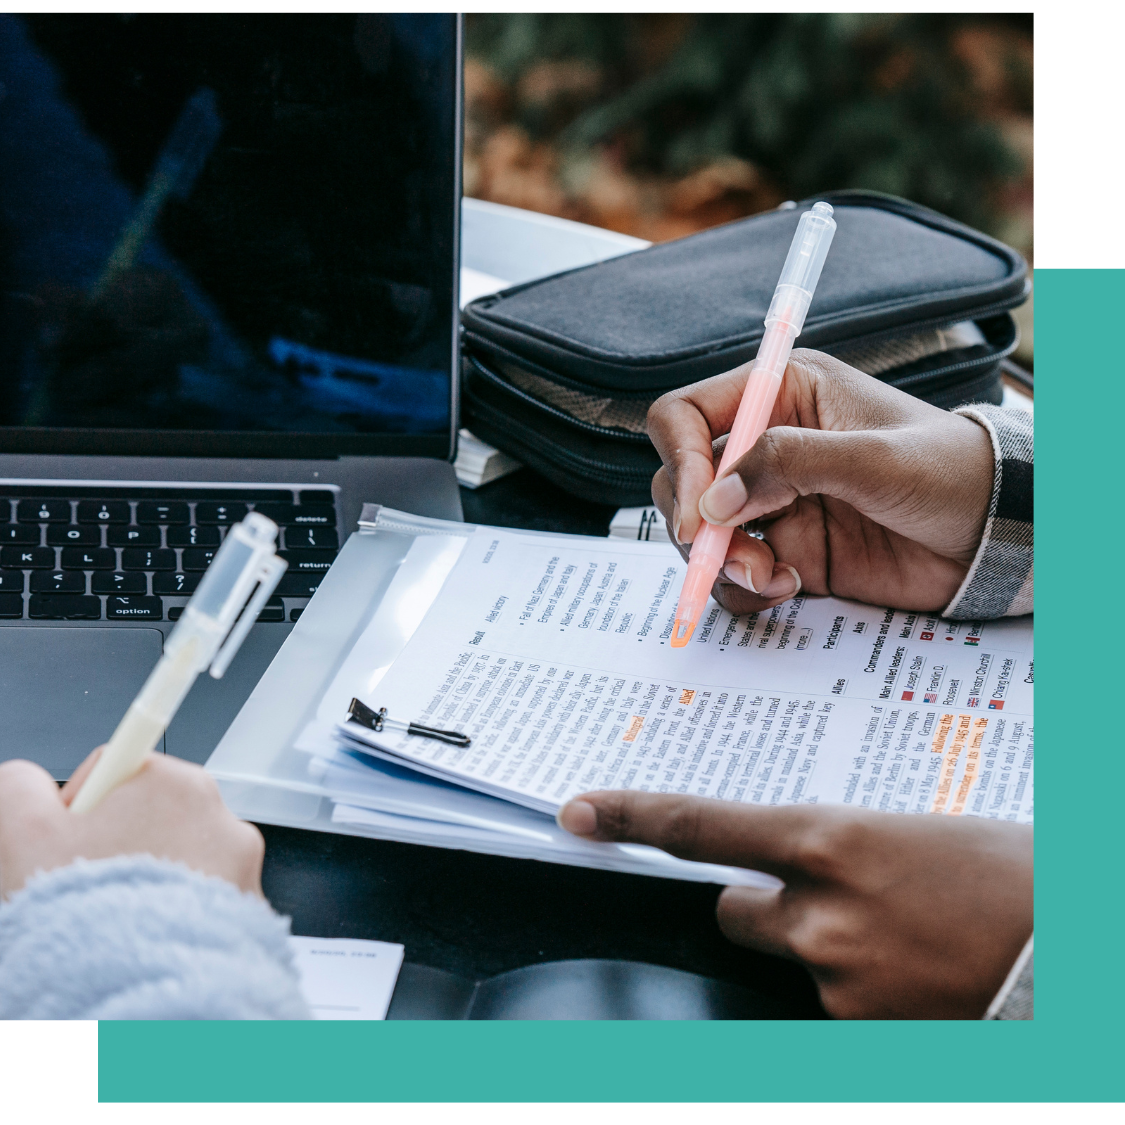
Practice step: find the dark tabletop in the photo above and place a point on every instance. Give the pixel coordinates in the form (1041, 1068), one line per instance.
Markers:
(478, 915)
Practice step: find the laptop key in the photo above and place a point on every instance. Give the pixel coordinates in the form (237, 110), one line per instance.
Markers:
(279, 513)
(273, 610)
(28, 558)
(193, 537)
(70, 535)
(152, 511)
(134, 583)
(175, 583)
(305, 515)
(318, 496)
(103, 511)
(11, 581)
(308, 560)
(24, 534)
(206, 512)
(11, 605)
(315, 515)
(140, 559)
(58, 582)
(311, 537)
(133, 536)
(64, 607)
(96, 558)
(296, 585)
(43, 511)
(142, 609)
(198, 558)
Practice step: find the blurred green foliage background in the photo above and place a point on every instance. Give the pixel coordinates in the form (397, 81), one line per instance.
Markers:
(658, 125)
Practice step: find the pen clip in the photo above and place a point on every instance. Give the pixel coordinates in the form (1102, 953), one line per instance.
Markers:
(268, 575)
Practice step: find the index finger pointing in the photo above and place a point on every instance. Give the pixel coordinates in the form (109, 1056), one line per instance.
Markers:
(696, 828)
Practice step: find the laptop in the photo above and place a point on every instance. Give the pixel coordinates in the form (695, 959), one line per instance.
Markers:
(228, 282)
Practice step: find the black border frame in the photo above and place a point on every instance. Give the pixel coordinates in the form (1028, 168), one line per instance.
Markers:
(284, 444)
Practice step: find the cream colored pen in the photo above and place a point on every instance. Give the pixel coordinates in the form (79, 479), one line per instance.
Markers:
(243, 574)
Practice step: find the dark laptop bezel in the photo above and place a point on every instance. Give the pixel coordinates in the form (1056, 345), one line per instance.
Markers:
(258, 444)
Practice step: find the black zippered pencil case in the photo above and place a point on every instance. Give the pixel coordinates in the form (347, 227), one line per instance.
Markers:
(560, 372)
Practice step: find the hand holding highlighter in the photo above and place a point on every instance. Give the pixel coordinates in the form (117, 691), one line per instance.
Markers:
(784, 321)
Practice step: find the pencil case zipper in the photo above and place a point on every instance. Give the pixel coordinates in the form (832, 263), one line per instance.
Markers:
(936, 376)
(545, 449)
(505, 387)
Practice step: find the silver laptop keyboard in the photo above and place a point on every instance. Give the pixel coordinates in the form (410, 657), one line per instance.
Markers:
(89, 554)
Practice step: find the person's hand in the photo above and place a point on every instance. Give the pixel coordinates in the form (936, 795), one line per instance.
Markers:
(171, 810)
(895, 916)
(861, 490)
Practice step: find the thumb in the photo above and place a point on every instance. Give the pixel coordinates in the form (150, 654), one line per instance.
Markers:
(696, 828)
(70, 790)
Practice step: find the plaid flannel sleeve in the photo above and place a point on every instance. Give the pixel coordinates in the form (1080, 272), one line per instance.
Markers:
(1016, 998)
(1000, 580)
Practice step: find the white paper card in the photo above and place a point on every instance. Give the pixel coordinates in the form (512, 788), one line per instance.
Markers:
(346, 978)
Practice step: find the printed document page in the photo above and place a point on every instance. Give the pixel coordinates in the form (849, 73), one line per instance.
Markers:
(553, 654)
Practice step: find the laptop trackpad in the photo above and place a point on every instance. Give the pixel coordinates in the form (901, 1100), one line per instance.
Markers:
(63, 691)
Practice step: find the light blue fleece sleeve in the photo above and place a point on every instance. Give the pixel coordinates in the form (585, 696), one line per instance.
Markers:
(139, 938)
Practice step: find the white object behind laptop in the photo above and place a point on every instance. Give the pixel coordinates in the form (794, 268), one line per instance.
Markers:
(503, 246)
(644, 524)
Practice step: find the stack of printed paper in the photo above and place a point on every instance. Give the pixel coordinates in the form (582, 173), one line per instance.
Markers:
(551, 654)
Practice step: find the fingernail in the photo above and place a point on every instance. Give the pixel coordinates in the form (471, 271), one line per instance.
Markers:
(579, 818)
(786, 584)
(676, 520)
(739, 574)
(725, 498)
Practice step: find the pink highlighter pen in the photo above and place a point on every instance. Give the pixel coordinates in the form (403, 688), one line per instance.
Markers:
(784, 321)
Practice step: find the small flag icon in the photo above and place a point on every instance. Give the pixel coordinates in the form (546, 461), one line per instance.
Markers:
(927, 636)
(972, 640)
(930, 697)
(974, 702)
(908, 695)
(996, 705)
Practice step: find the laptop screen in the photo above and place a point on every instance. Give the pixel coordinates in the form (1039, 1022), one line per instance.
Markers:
(229, 234)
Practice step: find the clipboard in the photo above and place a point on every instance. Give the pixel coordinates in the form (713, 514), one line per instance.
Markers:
(362, 616)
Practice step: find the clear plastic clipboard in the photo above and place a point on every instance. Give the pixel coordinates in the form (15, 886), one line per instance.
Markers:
(361, 618)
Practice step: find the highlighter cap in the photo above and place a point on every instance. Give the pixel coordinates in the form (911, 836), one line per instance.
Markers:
(795, 287)
(809, 248)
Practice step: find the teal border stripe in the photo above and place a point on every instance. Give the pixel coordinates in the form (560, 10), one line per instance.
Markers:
(569, 1062)
(1072, 1051)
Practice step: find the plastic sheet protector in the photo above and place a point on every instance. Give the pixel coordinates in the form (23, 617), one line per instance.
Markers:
(553, 654)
